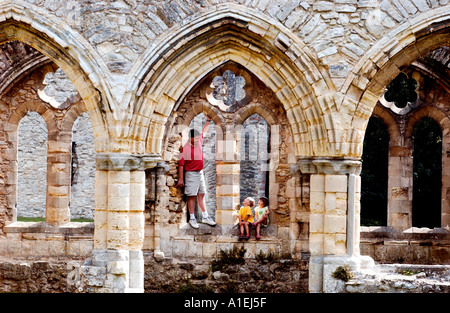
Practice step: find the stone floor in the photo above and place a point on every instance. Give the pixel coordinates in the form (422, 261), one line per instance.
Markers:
(401, 278)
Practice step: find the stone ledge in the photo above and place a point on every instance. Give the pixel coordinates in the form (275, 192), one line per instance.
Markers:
(69, 229)
(252, 240)
(202, 230)
(225, 230)
(379, 232)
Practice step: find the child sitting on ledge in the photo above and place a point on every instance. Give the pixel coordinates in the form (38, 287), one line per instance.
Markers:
(261, 215)
(245, 217)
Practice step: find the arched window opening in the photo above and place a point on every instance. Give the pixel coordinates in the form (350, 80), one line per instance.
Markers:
(374, 174)
(427, 177)
(83, 170)
(209, 168)
(254, 158)
(32, 168)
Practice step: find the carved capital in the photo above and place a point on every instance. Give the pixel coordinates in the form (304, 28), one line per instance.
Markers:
(329, 166)
(126, 162)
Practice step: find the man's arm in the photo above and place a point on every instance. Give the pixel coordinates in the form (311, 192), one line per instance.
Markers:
(205, 127)
(180, 176)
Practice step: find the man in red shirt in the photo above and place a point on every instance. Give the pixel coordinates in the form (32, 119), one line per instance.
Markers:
(190, 173)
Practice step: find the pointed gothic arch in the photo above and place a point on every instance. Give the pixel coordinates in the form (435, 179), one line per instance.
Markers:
(275, 56)
(384, 61)
(54, 44)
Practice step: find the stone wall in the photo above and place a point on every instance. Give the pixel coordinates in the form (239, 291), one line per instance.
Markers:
(40, 241)
(39, 277)
(32, 166)
(413, 246)
(326, 26)
(255, 157)
(168, 276)
(254, 276)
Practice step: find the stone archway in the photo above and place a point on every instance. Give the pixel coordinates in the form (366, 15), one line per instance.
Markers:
(374, 73)
(285, 190)
(276, 57)
(307, 98)
(12, 30)
(383, 63)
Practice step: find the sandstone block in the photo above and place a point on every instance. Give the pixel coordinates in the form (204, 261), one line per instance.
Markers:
(316, 223)
(336, 183)
(334, 224)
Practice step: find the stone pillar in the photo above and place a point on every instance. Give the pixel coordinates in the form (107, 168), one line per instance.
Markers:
(227, 177)
(334, 219)
(156, 185)
(119, 221)
(227, 192)
(59, 157)
(400, 186)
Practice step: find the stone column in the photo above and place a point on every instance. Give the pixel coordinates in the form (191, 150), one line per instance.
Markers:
(119, 221)
(400, 186)
(227, 192)
(227, 177)
(156, 185)
(59, 159)
(334, 220)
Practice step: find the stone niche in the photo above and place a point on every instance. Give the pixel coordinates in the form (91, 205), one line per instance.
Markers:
(248, 152)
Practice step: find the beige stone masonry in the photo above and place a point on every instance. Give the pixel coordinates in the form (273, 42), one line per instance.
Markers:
(41, 240)
(326, 62)
(334, 218)
(119, 220)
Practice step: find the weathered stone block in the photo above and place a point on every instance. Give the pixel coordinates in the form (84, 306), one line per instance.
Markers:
(335, 224)
(336, 183)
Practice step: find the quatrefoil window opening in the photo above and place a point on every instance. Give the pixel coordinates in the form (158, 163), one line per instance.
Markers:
(401, 95)
(401, 91)
(228, 88)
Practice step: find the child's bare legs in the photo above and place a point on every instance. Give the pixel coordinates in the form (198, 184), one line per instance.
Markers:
(246, 229)
(241, 228)
(258, 225)
(244, 226)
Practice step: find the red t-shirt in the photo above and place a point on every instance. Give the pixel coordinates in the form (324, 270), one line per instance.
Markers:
(192, 156)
